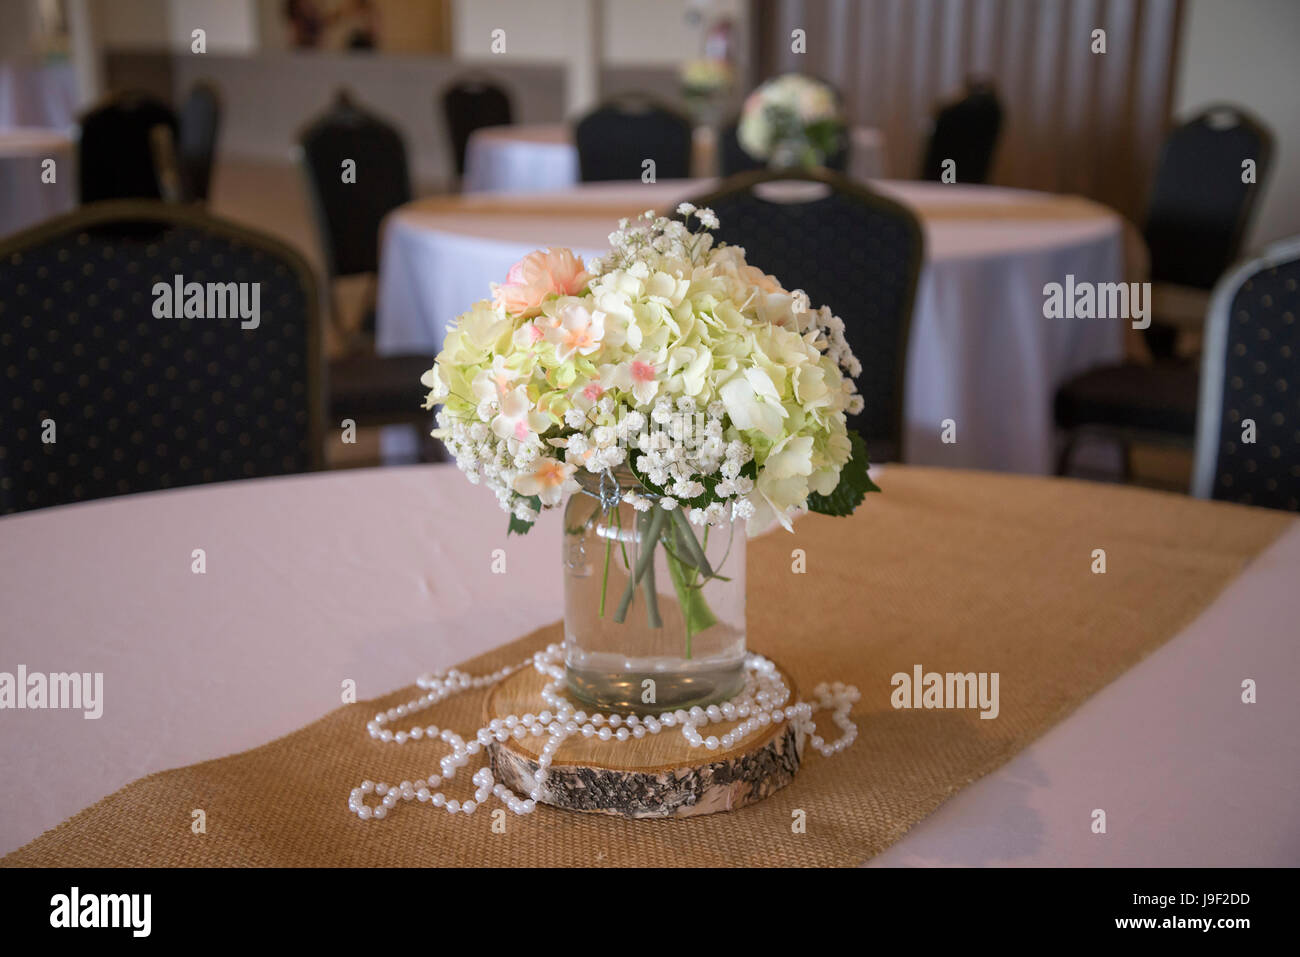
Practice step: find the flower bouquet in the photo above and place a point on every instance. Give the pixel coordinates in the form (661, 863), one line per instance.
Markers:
(681, 393)
(791, 120)
(705, 82)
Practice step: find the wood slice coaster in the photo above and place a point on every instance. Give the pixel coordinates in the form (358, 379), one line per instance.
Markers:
(658, 775)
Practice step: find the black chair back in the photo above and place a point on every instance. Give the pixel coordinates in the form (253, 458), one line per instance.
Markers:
(735, 160)
(348, 214)
(967, 133)
(615, 139)
(105, 393)
(118, 152)
(1199, 205)
(732, 157)
(850, 249)
(200, 119)
(468, 105)
(1248, 421)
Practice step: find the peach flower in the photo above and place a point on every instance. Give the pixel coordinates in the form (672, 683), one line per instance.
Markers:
(539, 275)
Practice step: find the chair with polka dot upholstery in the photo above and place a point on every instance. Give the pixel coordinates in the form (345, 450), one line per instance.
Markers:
(126, 148)
(616, 139)
(107, 388)
(1248, 427)
(850, 249)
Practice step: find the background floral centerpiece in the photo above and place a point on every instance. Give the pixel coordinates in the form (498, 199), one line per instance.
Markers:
(792, 120)
(706, 81)
(681, 390)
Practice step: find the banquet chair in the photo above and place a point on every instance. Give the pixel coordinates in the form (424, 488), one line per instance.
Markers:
(734, 158)
(369, 389)
(848, 248)
(104, 394)
(126, 148)
(469, 104)
(965, 131)
(617, 137)
(200, 119)
(1198, 212)
(1248, 429)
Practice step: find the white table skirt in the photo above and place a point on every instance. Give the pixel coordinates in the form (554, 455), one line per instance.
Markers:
(538, 158)
(981, 354)
(24, 199)
(379, 575)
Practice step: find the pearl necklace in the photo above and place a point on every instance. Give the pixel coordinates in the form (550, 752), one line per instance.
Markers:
(763, 700)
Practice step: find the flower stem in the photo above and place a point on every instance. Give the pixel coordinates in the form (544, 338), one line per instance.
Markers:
(687, 537)
(604, 581)
(652, 523)
(648, 586)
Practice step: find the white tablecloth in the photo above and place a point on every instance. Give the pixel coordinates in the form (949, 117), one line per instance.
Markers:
(380, 575)
(981, 352)
(24, 199)
(36, 93)
(537, 158)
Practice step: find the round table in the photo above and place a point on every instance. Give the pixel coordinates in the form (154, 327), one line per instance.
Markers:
(378, 575)
(24, 199)
(541, 157)
(34, 92)
(981, 352)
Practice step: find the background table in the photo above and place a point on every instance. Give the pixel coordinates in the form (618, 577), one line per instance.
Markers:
(34, 92)
(24, 199)
(981, 352)
(379, 575)
(541, 157)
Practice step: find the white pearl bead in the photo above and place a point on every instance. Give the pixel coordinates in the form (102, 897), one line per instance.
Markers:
(764, 699)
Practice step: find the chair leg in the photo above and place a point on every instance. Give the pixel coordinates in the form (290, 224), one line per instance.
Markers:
(1126, 454)
(1063, 460)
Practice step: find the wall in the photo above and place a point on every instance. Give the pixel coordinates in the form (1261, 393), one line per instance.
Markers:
(21, 22)
(1245, 53)
(643, 41)
(636, 32)
(231, 25)
(133, 23)
(403, 89)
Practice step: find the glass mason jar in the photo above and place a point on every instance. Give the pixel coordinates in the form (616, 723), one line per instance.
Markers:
(654, 606)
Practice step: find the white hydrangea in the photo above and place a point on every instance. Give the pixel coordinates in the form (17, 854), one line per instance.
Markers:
(677, 358)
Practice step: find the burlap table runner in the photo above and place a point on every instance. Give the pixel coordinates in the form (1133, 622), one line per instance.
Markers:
(1042, 207)
(955, 571)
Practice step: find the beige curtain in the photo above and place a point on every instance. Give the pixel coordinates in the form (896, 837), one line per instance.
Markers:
(1074, 121)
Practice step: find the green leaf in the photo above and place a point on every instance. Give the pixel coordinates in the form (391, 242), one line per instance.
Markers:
(695, 610)
(519, 526)
(853, 486)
